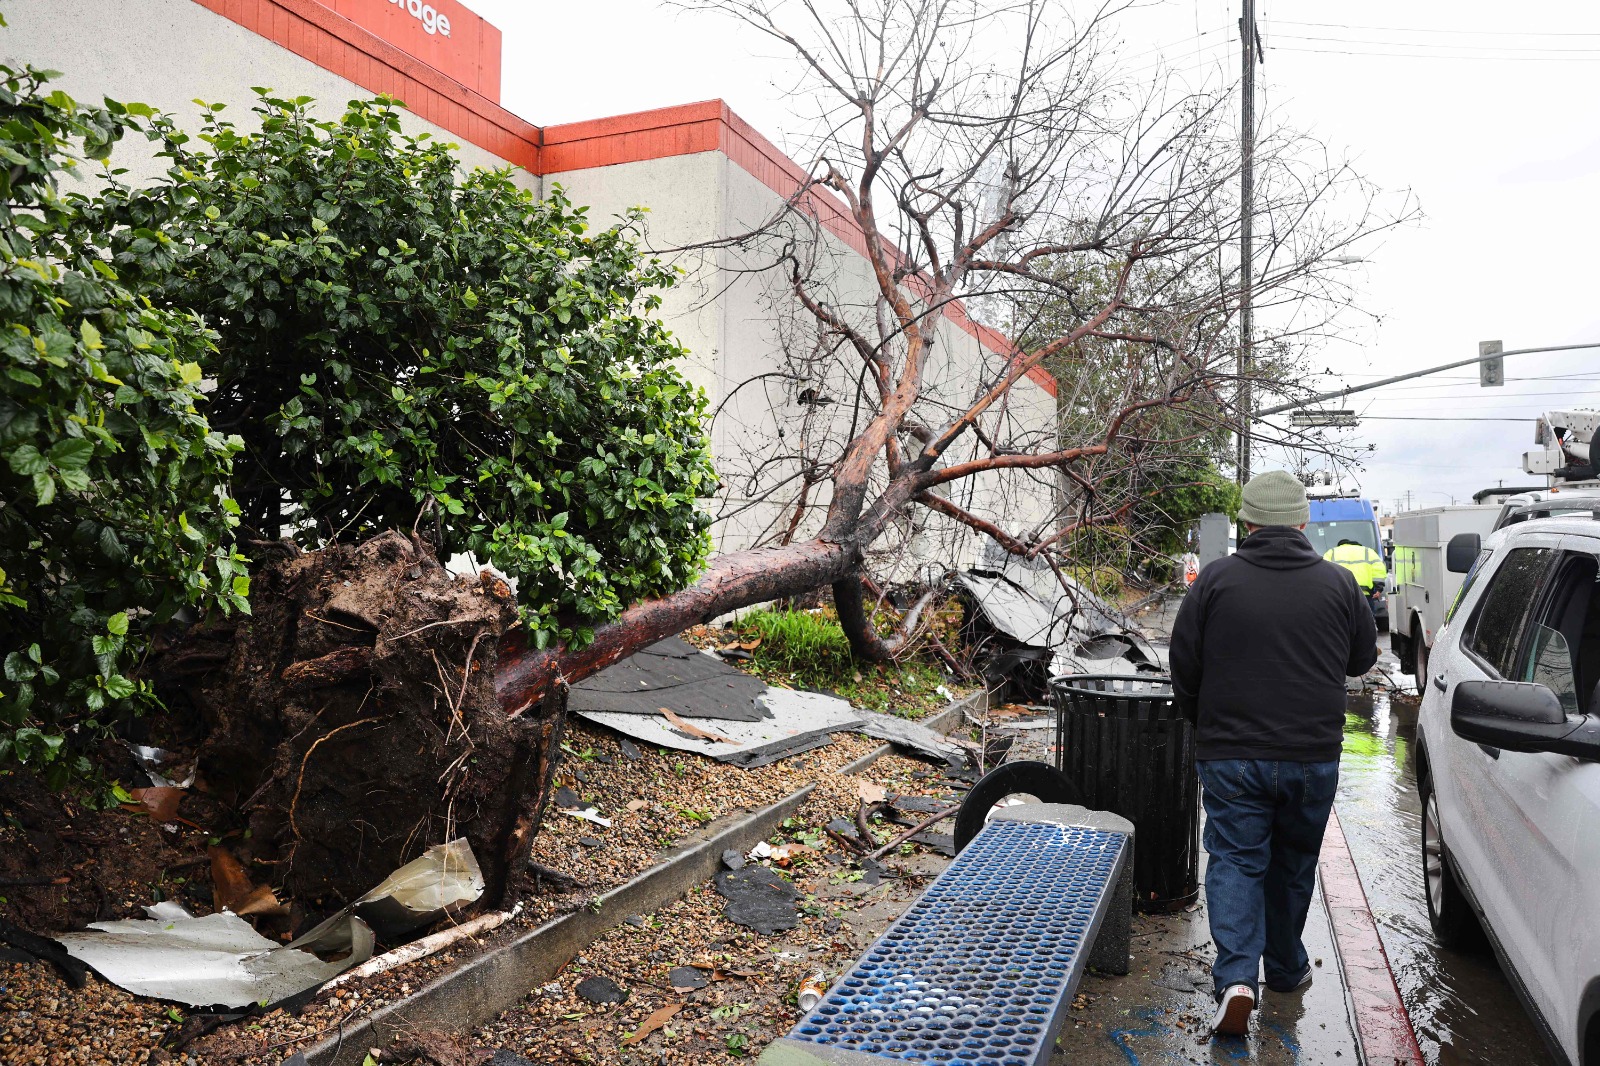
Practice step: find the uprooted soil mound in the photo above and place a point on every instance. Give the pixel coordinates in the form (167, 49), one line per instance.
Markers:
(352, 719)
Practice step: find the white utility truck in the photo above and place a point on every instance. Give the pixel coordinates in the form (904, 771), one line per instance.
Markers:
(1424, 590)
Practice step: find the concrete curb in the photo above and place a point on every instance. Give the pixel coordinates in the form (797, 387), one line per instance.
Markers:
(493, 982)
(1383, 1028)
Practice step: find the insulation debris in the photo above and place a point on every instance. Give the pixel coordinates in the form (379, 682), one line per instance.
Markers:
(220, 960)
(216, 960)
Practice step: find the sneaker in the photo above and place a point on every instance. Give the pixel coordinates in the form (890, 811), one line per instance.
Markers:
(1304, 981)
(1233, 1011)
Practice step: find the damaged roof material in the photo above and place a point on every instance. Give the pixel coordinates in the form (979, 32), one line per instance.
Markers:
(1052, 619)
(218, 960)
(790, 723)
(671, 673)
(785, 721)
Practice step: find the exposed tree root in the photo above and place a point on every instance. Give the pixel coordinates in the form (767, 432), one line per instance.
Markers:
(354, 718)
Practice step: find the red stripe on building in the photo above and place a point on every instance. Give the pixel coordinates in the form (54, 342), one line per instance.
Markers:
(1382, 1025)
(336, 44)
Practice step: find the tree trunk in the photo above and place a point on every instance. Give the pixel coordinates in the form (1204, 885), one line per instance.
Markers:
(736, 580)
(855, 616)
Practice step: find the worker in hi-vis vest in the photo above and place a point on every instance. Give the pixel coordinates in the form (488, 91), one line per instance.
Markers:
(1362, 561)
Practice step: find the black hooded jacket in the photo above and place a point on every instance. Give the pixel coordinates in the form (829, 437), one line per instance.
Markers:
(1261, 648)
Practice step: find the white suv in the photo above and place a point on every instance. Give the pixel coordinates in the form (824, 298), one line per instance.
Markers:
(1508, 766)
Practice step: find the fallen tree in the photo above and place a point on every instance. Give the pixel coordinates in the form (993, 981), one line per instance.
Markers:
(995, 158)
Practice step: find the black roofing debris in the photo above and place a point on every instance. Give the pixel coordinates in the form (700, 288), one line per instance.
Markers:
(758, 899)
(687, 977)
(927, 742)
(601, 990)
(671, 673)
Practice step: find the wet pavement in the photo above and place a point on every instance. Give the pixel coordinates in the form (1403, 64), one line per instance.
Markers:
(1460, 1003)
(1160, 1011)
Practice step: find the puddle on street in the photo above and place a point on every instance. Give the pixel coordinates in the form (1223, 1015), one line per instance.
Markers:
(1461, 1005)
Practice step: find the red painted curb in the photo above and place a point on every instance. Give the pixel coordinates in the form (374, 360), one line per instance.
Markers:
(1383, 1028)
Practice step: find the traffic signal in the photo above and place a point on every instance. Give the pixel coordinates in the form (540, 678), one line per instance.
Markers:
(1491, 371)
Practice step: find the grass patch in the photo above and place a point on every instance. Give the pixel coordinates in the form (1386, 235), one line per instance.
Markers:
(808, 650)
(798, 641)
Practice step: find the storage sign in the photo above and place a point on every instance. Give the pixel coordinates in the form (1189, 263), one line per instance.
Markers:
(445, 34)
(432, 21)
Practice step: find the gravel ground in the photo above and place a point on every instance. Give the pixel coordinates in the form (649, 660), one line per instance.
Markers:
(43, 1021)
(672, 795)
(754, 1002)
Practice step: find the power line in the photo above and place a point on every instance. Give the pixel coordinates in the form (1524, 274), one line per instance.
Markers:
(1449, 381)
(1430, 44)
(1434, 29)
(1430, 55)
(1475, 395)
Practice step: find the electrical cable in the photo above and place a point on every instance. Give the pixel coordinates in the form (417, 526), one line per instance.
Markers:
(1477, 396)
(1437, 29)
(1415, 55)
(1430, 44)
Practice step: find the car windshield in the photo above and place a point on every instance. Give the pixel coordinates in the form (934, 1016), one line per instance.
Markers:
(1325, 536)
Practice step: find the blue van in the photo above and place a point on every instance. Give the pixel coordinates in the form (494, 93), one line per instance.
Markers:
(1336, 518)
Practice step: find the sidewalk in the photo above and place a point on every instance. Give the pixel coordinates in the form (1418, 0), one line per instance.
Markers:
(1161, 1010)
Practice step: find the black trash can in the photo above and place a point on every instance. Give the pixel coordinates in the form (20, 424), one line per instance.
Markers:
(1122, 741)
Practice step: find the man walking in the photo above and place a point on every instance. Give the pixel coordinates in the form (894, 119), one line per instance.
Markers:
(1260, 652)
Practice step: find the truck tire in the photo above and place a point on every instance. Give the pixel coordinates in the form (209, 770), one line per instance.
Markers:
(1401, 646)
(1419, 658)
(1449, 914)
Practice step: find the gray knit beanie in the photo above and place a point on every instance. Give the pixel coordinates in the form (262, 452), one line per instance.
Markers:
(1275, 498)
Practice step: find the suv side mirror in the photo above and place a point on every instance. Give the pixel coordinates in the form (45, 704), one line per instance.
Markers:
(1521, 716)
(1462, 552)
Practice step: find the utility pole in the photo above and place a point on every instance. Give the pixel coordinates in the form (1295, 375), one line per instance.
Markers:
(1247, 192)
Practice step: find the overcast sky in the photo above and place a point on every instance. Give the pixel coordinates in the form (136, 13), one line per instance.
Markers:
(1489, 113)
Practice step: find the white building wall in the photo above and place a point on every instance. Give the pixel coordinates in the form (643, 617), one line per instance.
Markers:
(169, 53)
(680, 195)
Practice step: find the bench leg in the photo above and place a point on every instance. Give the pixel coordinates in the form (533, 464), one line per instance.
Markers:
(1115, 939)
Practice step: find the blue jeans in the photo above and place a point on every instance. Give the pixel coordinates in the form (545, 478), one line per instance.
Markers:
(1264, 824)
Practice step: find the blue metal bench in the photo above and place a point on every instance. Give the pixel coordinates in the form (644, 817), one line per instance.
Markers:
(983, 968)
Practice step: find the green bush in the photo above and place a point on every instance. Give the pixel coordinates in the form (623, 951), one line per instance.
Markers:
(392, 330)
(112, 509)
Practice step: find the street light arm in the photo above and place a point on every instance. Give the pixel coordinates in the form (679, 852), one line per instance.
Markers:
(1341, 393)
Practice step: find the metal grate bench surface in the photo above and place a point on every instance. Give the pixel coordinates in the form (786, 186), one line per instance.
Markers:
(983, 967)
